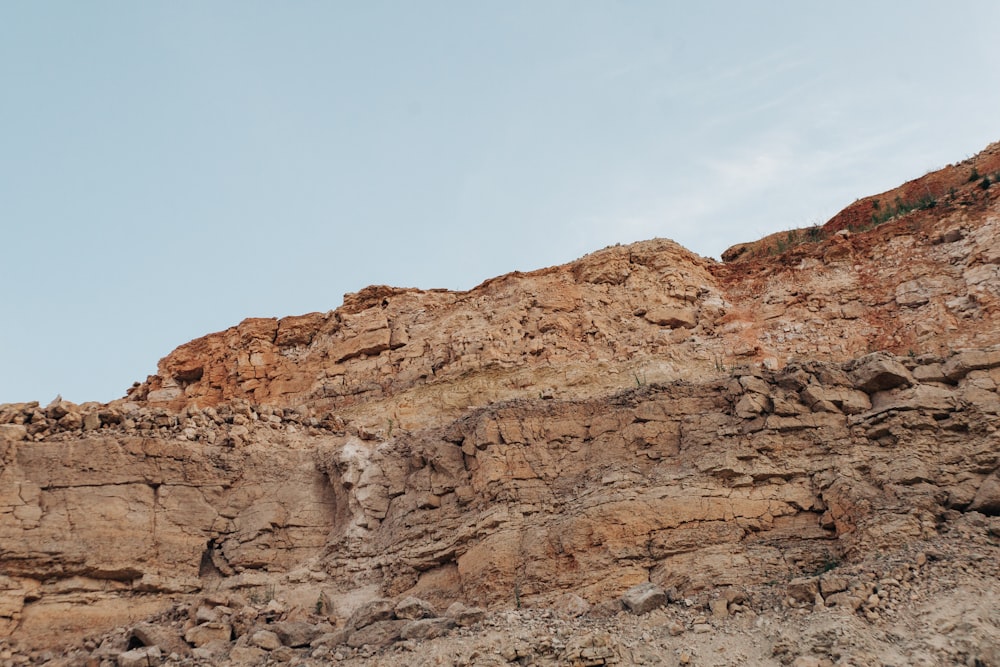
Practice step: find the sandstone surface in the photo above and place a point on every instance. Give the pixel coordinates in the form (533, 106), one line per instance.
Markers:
(714, 442)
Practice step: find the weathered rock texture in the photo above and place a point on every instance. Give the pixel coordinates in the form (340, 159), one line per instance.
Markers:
(642, 415)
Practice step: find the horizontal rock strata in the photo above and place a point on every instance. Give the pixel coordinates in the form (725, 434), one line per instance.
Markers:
(755, 476)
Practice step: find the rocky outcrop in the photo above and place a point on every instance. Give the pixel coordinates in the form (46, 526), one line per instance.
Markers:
(640, 427)
(747, 478)
(924, 282)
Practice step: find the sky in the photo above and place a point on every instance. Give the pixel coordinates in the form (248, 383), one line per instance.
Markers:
(169, 168)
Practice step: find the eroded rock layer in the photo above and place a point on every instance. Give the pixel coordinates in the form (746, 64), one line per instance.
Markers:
(755, 476)
(640, 416)
(924, 280)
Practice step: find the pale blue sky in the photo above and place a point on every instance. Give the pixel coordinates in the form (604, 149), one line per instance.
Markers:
(170, 168)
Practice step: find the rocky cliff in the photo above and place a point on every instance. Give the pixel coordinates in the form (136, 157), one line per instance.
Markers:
(642, 416)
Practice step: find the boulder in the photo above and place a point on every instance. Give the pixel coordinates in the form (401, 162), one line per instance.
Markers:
(878, 372)
(146, 656)
(426, 628)
(335, 638)
(412, 608)
(927, 397)
(295, 633)
(380, 633)
(848, 401)
(265, 639)
(672, 316)
(167, 638)
(832, 583)
(373, 611)
(987, 499)
(201, 635)
(13, 432)
(247, 655)
(463, 615)
(962, 363)
(644, 598)
(803, 589)
(571, 605)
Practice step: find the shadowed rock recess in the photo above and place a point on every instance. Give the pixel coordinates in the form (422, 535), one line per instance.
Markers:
(641, 434)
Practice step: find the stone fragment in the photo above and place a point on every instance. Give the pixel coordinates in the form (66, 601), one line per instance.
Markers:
(985, 400)
(206, 614)
(644, 598)
(295, 633)
(71, 421)
(672, 317)
(909, 471)
(879, 371)
(921, 397)
(590, 648)
(164, 395)
(335, 638)
(932, 372)
(200, 635)
(750, 405)
(380, 633)
(849, 401)
(803, 589)
(13, 432)
(463, 615)
(719, 608)
(167, 638)
(296, 330)
(370, 336)
(754, 384)
(59, 408)
(247, 655)
(962, 363)
(571, 605)
(413, 608)
(912, 294)
(987, 499)
(373, 611)
(265, 639)
(844, 599)
(146, 656)
(793, 379)
(832, 583)
(91, 421)
(426, 628)
(213, 652)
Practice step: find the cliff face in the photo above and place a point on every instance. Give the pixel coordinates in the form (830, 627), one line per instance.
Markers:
(912, 278)
(639, 415)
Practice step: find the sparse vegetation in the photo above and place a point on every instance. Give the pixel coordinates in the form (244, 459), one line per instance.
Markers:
(831, 562)
(973, 175)
(791, 239)
(900, 208)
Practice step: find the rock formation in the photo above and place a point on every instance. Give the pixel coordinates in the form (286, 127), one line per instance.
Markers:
(547, 440)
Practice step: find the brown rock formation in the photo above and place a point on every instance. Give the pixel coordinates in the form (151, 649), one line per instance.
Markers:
(640, 415)
(923, 282)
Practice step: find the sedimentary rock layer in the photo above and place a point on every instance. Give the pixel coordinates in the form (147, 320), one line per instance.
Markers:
(753, 476)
